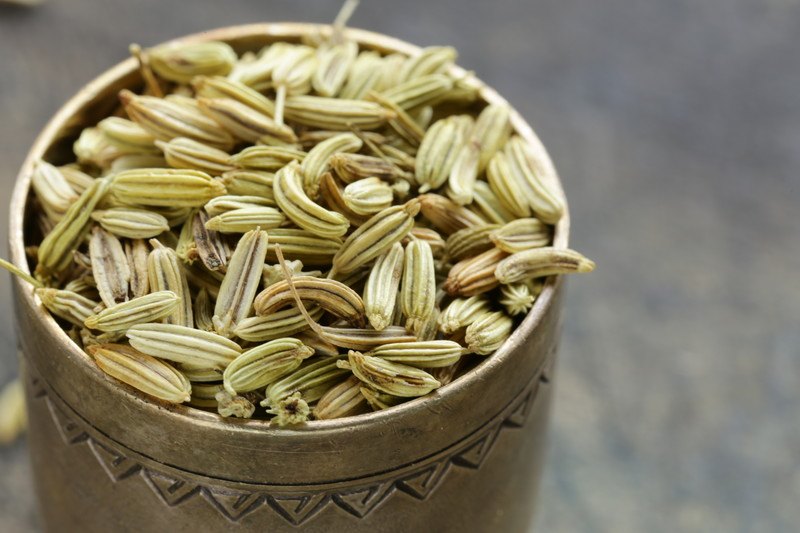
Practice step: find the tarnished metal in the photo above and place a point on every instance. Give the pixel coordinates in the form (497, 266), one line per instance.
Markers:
(466, 458)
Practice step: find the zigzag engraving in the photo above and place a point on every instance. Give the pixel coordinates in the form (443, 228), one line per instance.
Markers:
(296, 508)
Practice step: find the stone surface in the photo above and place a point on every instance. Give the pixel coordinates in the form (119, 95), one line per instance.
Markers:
(675, 127)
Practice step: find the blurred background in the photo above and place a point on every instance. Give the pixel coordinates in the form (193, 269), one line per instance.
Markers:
(676, 130)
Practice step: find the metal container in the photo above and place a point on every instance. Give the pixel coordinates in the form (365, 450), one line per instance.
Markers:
(466, 458)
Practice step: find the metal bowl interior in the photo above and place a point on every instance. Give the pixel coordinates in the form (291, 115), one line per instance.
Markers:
(91, 104)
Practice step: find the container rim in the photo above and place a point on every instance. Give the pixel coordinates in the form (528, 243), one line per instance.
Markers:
(270, 32)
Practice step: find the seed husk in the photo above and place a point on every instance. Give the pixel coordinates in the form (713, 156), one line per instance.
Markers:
(54, 192)
(134, 161)
(185, 345)
(345, 399)
(266, 158)
(249, 183)
(376, 236)
(488, 332)
(418, 288)
(540, 262)
(93, 149)
(447, 374)
(335, 113)
(508, 190)
(365, 339)
(165, 187)
(222, 204)
(431, 236)
(166, 120)
(392, 378)
(380, 291)
(209, 246)
(200, 374)
(278, 324)
(333, 66)
(164, 273)
(317, 161)
(77, 179)
(127, 135)
(203, 311)
(461, 312)
(258, 367)
(420, 354)
(432, 60)
(332, 194)
(143, 309)
(68, 305)
(293, 200)
(246, 219)
(244, 122)
(109, 267)
(491, 131)
(55, 250)
(365, 74)
(311, 381)
(489, 206)
(380, 400)
(531, 166)
(329, 294)
(439, 150)
(204, 395)
(220, 87)
(302, 245)
(470, 241)
(447, 216)
(368, 196)
(520, 235)
(181, 152)
(142, 372)
(474, 275)
(353, 167)
(517, 298)
(239, 287)
(180, 62)
(131, 222)
(419, 91)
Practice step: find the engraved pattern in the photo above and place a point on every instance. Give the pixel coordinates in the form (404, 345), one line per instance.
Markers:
(172, 491)
(420, 484)
(297, 507)
(116, 465)
(361, 502)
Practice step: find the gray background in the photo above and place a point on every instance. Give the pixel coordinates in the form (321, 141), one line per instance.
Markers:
(676, 128)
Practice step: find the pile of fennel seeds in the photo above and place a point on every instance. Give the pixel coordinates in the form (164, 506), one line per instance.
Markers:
(415, 226)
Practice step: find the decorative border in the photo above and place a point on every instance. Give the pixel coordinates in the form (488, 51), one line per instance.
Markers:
(297, 507)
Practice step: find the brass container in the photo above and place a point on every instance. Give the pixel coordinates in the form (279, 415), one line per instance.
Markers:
(466, 458)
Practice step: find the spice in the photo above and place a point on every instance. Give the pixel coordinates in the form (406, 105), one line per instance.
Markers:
(334, 228)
